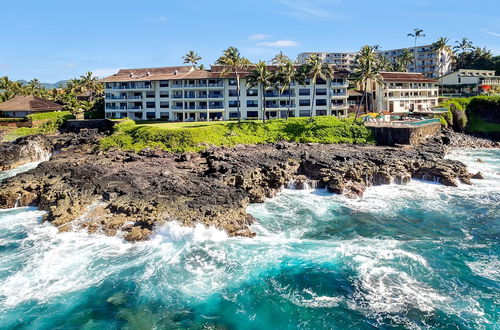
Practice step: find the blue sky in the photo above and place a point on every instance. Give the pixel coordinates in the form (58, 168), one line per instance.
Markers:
(54, 40)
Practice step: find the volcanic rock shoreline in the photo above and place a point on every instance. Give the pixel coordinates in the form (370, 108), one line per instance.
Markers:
(129, 194)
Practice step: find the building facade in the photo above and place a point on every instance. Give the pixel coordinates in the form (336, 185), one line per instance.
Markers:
(469, 81)
(402, 92)
(22, 106)
(431, 62)
(186, 94)
(342, 61)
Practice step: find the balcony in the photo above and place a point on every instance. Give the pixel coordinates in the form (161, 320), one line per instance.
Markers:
(135, 97)
(116, 108)
(338, 94)
(177, 96)
(215, 96)
(176, 107)
(216, 85)
(114, 97)
(135, 107)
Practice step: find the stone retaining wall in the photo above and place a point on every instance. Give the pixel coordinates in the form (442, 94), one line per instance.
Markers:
(387, 135)
(75, 126)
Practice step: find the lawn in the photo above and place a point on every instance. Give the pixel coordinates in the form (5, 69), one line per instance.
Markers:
(177, 125)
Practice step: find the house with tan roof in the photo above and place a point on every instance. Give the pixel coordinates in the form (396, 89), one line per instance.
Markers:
(183, 93)
(21, 106)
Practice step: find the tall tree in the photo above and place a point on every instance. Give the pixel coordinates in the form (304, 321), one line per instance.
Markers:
(463, 45)
(403, 61)
(417, 33)
(261, 76)
(234, 63)
(366, 70)
(191, 58)
(280, 59)
(286, 75)
(315, 69)
(441, 46)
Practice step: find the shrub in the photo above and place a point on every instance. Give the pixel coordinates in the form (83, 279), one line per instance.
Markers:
(49, 123)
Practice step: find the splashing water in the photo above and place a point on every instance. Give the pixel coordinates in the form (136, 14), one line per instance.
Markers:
(415, 256)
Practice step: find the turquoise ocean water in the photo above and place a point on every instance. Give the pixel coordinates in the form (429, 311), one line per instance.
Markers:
(415, 256)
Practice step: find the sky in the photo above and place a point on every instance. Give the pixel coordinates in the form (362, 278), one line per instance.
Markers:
(55, 40)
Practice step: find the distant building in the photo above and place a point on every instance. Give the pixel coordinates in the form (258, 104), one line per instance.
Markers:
(430, 62)
(469, 81)
(21, 106)
(403, 92)
(342, 61)
(185, 94)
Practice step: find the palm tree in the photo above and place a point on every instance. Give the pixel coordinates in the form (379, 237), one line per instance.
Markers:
(417, 33)
(285, 76)
(191, 57)
(6, 95)
(463, 45)
(89, 84)
(5, 83)
(315, 69)
(234, 62)
(441, 46)
(404, 60)
(366, 70)
(280, 59)
(383, 63)
(261, 76)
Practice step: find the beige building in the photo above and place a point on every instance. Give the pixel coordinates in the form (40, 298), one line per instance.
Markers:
(469, 81)
(402, 92)
(342, 61)
(430, 62)
(186, 94)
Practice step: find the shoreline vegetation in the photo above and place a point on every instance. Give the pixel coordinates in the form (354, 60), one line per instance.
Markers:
(193, 137)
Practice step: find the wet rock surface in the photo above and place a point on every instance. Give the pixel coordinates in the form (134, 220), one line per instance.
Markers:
(454, 140)
(129, 194)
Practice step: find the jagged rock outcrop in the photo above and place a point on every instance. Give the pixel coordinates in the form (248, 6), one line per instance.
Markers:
(128, 194)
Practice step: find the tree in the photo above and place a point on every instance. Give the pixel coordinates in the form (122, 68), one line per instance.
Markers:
(366, 70)
(315, 69)
(403, 61)
(234, 62)
(441, 46)
(384, 64)
(191, 58)
(89, 84)
(261, 76)
(280, 59)
(285, 75)
(417, 33)
(463, 45)
(6, 95)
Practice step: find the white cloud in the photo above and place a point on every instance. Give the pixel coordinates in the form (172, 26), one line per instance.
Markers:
(491, 33)
(159, 19)
(259, 36)
(278, 43)
(102, 73)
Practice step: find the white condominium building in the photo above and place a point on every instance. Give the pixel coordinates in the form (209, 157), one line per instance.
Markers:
(469, 81)
(186, 94)
(342, 61)
(402, 92)
(430, 62)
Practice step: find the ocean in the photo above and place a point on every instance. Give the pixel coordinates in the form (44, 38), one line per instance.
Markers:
(416, 256)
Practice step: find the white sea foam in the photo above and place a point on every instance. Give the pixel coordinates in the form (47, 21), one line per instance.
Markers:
(489, 269)
(20, 169)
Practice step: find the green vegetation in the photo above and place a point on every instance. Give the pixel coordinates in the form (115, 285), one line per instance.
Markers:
(12, 120)
(52, 121)
(477, 114)
(329, 129)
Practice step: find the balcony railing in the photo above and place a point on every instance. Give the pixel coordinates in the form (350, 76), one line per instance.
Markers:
(135, 107)
(215, 96)
(116, 108)
(176, 107)
(177, 96)
(135, 97)
(216, 85)
(338, 94)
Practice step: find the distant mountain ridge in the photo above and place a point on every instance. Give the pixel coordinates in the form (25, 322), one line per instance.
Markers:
(47, 85)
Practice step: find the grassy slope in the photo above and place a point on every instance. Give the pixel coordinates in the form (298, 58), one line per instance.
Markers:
(198, 136)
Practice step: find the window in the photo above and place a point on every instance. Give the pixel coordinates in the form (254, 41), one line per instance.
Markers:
(232, 82)
(252, 104)
(252, 114)
(164, 115)
(150, 115)
(304, 113)
(150, 105)
(305, 103)
(233, 115)
(164, 105)
(321, 91)
(150, 95)
(233, 92)
(252, 92)
(304, 91)
(163, 94)
(320, 112)
(321, 102)
(233, 104)
(163, 83)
